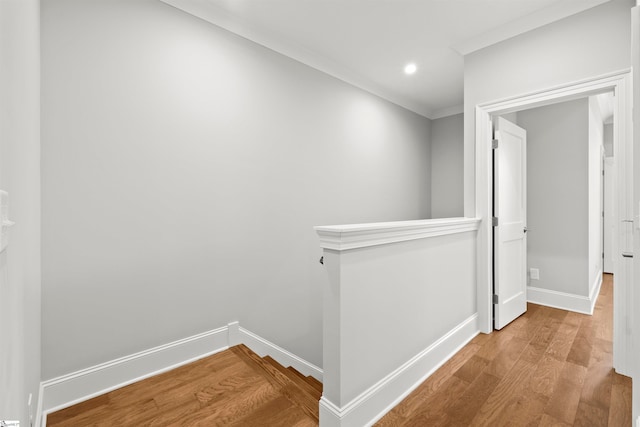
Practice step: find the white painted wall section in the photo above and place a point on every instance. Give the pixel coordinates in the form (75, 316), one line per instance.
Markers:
(20, 177)
(399, 300)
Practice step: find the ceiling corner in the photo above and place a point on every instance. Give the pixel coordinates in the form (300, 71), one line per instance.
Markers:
(446, 112)
(206, 10)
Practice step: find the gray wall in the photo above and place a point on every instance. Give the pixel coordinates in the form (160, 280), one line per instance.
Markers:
(608, 140)
(447, 159)
(558, 195)
(20, 177)
(183, 170)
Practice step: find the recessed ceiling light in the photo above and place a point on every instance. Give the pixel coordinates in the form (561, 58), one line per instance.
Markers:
(410, 68)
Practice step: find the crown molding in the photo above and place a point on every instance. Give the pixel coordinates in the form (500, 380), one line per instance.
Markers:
(208, 11)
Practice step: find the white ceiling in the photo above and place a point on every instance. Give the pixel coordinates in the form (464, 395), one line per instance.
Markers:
(368, 42)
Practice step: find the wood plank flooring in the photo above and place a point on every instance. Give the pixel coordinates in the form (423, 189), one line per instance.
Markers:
(549, 367)
(233, 388)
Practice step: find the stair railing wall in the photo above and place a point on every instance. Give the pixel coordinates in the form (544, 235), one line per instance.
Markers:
(400, 299)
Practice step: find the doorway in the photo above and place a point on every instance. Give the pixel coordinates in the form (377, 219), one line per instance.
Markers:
(619, 83)
(564, 164)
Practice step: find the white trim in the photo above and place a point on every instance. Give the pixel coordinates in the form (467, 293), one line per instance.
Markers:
(76, 387)
(376, 401)
(557, 299)
(346, 237)
(595, 291)
(41, 419)
(620, 82)
(234, 334)
(558, 93)
(263, 347)
(566, 301)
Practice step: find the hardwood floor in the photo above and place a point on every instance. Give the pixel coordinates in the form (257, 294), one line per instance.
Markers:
(232, 388)
(548, 368)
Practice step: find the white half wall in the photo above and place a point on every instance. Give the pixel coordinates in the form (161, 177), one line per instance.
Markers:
(184, 168)
(398, 303)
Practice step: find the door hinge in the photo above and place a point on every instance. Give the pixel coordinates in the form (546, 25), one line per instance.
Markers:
(494, 144)
(495, 299)
(494, 221)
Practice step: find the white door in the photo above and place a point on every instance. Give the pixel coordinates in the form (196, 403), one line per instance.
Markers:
(609, 215)
(509, 231)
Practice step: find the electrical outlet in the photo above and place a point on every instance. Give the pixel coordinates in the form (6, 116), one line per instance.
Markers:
(534, 273)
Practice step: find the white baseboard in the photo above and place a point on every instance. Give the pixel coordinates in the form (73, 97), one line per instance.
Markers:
(374, 403)
(76, 387)
(566, 301)
(70, 389)
(595, 291)
(263, 347)
(365, 409)
(563, 300)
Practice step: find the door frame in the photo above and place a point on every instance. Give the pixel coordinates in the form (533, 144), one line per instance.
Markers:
(620, 83)
(609, 211)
